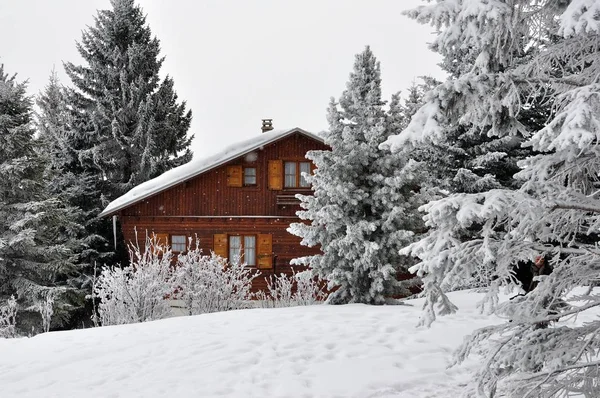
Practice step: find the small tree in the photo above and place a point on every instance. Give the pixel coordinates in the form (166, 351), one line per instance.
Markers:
(45, 307)
(8, 318)
(137, 292)
(364, 207)
(207, 283)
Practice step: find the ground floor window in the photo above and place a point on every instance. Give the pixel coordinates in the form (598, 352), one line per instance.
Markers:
(243, 246)
(178, 243)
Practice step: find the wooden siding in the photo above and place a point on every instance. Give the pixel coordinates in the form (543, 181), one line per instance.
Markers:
(209, 195)
(206, 205)
(285, 245)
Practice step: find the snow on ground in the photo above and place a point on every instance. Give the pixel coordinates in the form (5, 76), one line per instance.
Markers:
(319, 351)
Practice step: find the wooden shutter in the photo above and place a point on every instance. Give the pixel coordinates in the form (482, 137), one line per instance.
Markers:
(220, 245)
(264, 251)
(234, 176)
(275, 175)
(162, 240)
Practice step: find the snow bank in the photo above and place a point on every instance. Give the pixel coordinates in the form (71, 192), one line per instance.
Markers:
(319, 351)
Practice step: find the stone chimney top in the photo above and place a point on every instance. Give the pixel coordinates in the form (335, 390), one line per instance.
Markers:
(267, 125)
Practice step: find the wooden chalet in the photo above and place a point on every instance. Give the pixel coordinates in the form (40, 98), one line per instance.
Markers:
(240, 200)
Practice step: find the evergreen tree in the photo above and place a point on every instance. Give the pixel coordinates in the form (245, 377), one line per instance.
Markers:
(69, 182)
(362, 210)
(125, 125)
(36, 262)
(527, 54)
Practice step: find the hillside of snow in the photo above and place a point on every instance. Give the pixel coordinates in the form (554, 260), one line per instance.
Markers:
(319, 351)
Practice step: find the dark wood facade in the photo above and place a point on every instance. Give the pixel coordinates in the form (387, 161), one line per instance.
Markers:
(217, 204)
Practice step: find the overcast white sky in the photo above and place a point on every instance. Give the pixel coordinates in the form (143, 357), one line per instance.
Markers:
(236, 61)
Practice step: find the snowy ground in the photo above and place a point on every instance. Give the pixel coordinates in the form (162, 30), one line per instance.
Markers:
(320, 351)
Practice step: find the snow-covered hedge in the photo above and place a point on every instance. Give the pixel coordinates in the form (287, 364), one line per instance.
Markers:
(141, 291)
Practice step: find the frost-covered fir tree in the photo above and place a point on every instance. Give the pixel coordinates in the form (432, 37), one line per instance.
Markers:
(363, 208)
(69, 182)
(526, 53)
(127, 125)
(139, 129)
(36, 228)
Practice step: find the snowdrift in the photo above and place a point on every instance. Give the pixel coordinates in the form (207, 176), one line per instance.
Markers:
(319, 351)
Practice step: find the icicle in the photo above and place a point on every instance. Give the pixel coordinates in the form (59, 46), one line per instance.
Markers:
(115, 230)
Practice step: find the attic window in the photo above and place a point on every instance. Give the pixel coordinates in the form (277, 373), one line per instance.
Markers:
(249, 175)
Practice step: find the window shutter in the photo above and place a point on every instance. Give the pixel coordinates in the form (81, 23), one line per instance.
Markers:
(220, 245)
(234, 176)
(275, 175)
(265, 251)
(162, 240)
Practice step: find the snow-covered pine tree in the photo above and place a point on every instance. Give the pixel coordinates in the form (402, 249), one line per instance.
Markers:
(35, 227)
(127, 125)
(139, 128)
(362, 210)
(68, 181)
(525, 53)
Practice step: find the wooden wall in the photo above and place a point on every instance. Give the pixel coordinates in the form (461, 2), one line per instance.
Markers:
(205, 205)
(209, 195)
(285, 245)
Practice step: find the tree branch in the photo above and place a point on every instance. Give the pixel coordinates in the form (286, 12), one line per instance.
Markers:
(574, 206)
(561, 370)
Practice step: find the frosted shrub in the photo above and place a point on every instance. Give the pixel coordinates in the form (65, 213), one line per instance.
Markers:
(281, 293)
(138, 292)
(45, 307)
(8, 318)
(207, 283)
(309, 290)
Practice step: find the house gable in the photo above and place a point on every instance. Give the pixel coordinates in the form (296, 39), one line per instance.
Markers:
(182, 174)
(221, 191)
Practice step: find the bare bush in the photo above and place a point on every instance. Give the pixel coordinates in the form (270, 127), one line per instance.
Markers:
(137, 292)
(301, 288)
(207, 283)
(45, 306)
(8, 318)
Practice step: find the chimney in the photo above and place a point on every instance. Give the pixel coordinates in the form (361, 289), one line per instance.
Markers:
(267, 125)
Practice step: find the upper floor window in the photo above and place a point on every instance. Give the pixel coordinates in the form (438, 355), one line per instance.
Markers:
(293, 177)
(241, 176)
(249, 176)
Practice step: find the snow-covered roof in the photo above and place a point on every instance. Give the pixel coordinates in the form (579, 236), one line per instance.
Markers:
(198, 166)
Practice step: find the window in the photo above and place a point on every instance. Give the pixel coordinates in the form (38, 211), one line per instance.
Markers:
(244, 245)
(293, 174)
(178, 243)
(249, 175)
(257, 250)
